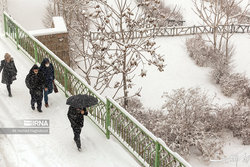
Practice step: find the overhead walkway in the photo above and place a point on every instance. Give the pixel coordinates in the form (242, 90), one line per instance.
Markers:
(106, 121)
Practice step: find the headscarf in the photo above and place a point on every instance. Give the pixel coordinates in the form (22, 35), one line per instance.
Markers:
(7, 57)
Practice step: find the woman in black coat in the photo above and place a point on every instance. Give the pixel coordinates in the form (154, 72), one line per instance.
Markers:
(9, 71)
(35, 81)
(76, 119)
(47, 69)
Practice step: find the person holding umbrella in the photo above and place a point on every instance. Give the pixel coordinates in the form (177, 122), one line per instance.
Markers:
(76, 112)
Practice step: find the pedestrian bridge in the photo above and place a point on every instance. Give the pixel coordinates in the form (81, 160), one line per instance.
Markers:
(110, 137)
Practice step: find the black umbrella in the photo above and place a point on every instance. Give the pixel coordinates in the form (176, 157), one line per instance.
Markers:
(82, 101)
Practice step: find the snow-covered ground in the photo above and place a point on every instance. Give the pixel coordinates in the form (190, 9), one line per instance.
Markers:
(180, 71)
(58, 148)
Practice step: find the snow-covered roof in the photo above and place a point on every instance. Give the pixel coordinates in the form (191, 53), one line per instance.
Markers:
(59, 27)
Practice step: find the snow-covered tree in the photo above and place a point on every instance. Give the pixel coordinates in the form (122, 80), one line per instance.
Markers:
(215, 13)
(159, 11)
(118, 53)
(112, 61)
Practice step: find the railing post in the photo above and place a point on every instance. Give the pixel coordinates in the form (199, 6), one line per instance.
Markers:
(17, 37)
(65, 81)
(232, 28)
(35, 52)
(107, 120)
(5, 25)
(157, 154)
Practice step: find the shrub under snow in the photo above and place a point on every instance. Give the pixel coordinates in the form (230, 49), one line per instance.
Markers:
(193, 123)
(198, 50)
(187, 123)
(232, 84)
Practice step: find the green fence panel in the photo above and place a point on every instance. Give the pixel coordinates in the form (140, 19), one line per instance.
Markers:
(148, 149)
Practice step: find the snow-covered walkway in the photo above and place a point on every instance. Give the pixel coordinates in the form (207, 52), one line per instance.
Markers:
(56, 149)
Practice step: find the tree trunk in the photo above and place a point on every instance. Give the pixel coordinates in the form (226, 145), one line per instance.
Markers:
(215, 38)
(125, 88)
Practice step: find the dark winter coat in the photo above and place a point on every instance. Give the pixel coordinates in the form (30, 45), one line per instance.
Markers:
(75, 117)
(9, 71)
(35, 82)
(48, 73)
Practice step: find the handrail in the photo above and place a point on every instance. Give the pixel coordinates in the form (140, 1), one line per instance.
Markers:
(108, 115)
(171, 31)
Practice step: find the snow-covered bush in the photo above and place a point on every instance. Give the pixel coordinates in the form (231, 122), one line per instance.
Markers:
(221, 63)
(198, 50)
(235, 83)
(238, 120)
(244, 95)
(219, 71)
(192, 122)
(204, 55)
(246, 136)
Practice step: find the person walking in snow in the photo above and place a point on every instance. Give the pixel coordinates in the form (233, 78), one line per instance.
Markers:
(76, 119)
(9, 71)
(48, 71)
(35, 81)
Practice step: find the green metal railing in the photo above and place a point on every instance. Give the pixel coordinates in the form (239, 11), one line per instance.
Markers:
(109, 116)
(139, 140)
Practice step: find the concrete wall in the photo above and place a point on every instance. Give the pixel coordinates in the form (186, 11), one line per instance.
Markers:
(58, 44)
(55, 38)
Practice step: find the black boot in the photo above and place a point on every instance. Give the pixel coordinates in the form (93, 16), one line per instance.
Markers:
(39, 109)
(9, 90)
(78, 144)
(39, 105)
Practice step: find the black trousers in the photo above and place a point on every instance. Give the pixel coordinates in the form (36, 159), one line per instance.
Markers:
(8, 88)
(77, 132)
(36, 97)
